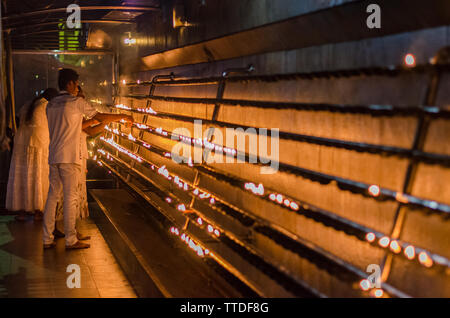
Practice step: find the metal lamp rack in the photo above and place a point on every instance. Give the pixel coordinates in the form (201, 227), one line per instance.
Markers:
(128, 164)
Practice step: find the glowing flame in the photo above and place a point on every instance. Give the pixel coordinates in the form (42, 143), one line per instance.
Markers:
(425, 260)
(147, 110)
(280, 198)
(259, 190)
(365, 284)
(204, 195)
(410, 252)
(379, 293)
(130, 137)
(370, 237)
(121, 149)
(410, 60)
(141, 126)
(395, 247)
(191, 243)
(374, 190)
(163, 171)
(122, 106)
(384, 241)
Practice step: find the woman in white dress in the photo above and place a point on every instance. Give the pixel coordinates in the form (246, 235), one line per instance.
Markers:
(28, 175)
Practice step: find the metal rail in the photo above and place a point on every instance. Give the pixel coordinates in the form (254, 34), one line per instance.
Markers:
(415, 155)
(324, 261)
(307, 210)
(321, 258)
(171, 136)
(374, 110)
(258, 259)
(57, 22)
(348, 184)
(277, 234)
(392, 71)
(83, 8)
(219, 261)
(51, 52)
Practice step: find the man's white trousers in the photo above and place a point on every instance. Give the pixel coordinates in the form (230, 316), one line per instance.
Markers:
(63, 178)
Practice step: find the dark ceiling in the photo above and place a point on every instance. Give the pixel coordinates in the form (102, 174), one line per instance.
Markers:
(47, 30)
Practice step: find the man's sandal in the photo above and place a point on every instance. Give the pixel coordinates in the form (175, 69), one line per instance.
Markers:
(77, 246)
(82, 237)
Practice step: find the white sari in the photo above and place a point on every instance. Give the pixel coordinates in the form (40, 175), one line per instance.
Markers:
(28, 180)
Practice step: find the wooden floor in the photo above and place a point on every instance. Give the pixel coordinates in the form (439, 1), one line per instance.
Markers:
(26, 270)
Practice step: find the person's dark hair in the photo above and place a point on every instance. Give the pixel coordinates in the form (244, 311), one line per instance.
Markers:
(80, 92)
(48, 94)
(65, 76)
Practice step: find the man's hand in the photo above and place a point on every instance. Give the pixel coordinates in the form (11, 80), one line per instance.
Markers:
(89, 122)
(105, 119)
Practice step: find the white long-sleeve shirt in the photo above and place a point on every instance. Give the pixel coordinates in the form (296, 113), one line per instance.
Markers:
(65, 117)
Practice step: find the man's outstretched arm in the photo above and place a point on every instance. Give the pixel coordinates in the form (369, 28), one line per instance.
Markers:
(105, 118)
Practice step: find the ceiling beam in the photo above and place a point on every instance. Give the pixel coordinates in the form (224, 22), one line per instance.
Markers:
(83, 8)
(51, 52)
(57, 22)
(342, 23)
(45, 31)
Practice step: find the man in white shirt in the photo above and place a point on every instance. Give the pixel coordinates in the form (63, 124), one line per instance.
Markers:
(65, 116)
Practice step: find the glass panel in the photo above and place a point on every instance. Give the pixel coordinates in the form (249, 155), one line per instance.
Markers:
(33, 73)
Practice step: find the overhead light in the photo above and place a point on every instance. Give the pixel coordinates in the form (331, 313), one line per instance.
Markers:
(179, 18)
(129, 40)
